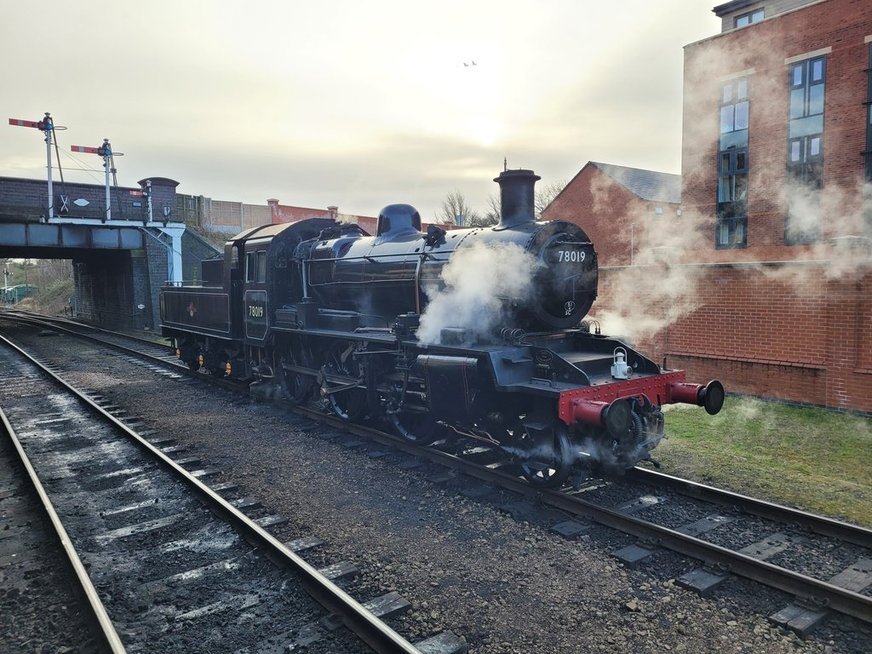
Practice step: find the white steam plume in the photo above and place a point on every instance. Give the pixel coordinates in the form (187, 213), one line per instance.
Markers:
(638, 301)
(479, 286)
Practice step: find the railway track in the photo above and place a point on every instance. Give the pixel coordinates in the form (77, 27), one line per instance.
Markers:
(645, 512)
(174, 562)
(593, 500)
(46, 599)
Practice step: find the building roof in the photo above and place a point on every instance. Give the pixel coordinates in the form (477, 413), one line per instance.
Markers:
(647, 184)
(735, 5)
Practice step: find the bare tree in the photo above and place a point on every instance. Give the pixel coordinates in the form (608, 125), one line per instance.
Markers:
(455, 210)
(545, 195)
(492, 212)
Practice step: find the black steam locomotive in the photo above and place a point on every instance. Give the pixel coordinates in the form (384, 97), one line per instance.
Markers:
(346, 319)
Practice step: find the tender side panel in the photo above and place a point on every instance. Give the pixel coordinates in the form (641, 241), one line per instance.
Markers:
(199, 310)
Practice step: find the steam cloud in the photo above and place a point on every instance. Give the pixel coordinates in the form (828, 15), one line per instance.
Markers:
(658, 290)
(479, 286)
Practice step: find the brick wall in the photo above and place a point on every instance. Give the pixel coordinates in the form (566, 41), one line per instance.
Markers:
(194, 249)
(104, 289)
(792, 330)
(26, 199)
(141, 283)
(283, 213)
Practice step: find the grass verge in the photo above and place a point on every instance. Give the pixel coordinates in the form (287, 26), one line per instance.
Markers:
(811, 458)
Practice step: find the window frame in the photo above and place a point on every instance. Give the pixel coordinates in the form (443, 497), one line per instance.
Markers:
(806, 168)
(255, 266)
(868, 117)
(807, 85)
(250, 267)
(733, 164)
(732, 103)
(749, 15)
(732, 210)
(260, 274)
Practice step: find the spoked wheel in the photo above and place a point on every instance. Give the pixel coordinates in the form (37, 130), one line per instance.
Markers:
(420, 428)
(348, 404)
(549, 457)
(296, 385)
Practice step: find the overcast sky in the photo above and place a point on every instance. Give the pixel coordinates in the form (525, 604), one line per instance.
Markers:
(353, 103)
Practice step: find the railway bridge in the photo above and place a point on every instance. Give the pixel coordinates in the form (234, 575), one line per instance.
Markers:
(125, 243)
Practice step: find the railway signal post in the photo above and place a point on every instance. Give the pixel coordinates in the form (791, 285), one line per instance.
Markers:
(45, 125)
(108, 155)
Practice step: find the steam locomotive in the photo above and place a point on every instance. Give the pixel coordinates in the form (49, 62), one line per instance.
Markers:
(338, 317)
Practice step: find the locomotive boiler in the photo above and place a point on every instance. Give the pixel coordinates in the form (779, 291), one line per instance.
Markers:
(388, 275)
(336, 317)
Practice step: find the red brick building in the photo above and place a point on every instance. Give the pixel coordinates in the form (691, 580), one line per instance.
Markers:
(632, 207)
(765, 277)
(282, 213)
(776, 167)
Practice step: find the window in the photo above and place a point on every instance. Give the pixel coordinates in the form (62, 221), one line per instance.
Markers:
(734, 106)
(869, 118)
(261, 267)
(255, 267)
(807, 88)
(744, 20)
(732, 198)
(732, 166)
(250, 267)
(807, 84)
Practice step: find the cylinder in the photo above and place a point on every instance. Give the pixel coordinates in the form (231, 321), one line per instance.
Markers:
(615, 417)
(590, 412)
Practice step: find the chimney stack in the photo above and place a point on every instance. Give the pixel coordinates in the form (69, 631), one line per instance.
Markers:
(517, 198)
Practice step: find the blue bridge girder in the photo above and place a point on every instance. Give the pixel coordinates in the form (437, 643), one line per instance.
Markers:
(68, 236)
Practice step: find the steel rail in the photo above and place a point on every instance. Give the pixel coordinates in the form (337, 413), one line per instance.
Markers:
(809, 588)
(104, 630)
(804, 587)
(375, 633)
(33, 319)
(770, 510)
(18, 313)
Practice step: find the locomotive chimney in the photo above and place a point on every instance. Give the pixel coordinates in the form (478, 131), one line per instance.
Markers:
(517, 200)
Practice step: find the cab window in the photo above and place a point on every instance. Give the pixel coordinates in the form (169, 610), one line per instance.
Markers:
(250, 268)
(261, 268)
(255, 267)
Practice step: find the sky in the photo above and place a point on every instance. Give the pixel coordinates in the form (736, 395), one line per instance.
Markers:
(347, 103)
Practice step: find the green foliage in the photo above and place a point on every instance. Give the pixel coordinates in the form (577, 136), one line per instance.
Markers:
(53, 279)
(803, 456)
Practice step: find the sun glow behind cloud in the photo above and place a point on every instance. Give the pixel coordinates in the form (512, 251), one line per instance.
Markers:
(349, 103)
